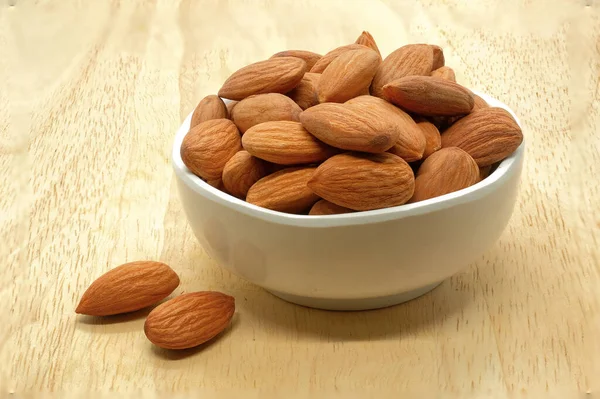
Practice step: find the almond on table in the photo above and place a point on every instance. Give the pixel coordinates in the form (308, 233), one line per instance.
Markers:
(127, 288)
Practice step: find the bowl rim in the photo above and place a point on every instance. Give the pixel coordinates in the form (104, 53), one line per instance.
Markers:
(476, 191)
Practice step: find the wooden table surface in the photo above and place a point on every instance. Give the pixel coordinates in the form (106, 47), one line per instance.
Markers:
(91, 94)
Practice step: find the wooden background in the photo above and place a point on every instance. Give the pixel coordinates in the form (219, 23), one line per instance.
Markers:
(91, 94)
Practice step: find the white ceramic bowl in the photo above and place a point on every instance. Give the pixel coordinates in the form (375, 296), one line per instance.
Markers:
(355, 261)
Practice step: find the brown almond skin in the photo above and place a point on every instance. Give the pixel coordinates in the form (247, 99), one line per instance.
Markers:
(264, 108)
(485, 172)
(445, 73)
(411, 142)
(412, 59)
(446, 171)
(366, 39)
(324, 62)
(241, 172)
(208, 146)
(284, 191)
(364, 181)
(285, 143)
(275, 75)
(305, 94)
(348, 76)
(210, 107)
(189, 320)
(479, 103)
(488, 135)
(365, 128)
(324, 207)
(308, 56)
(127, 288)
(438, 57)
(433, 139)
(429, 96)
(230, 105)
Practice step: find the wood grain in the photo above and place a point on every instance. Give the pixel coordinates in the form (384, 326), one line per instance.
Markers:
(91, 94)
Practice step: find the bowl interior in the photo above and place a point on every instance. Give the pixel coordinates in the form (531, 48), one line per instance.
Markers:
(432, 204)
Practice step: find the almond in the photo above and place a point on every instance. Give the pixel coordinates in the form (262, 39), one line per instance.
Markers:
(241, 172)
(358, 128)
(445, 171)
(264, 108)
(426, 95)
(349, 75)
(275, 75)
(485, 172)
(216, 183)
(284, 191)
(230, 105)
(207, 147)
(433, 140)
(127, 288)
(285, 143)
(364, 181)
(189, 319)
(412, 59)
(479, 103)
(324, 62)
(324, 207)
(305, 94)
(488, 135)
(411, 142)
(445, 73)
(366, 39)
(308, 56)
(210, 107)
(438, 57)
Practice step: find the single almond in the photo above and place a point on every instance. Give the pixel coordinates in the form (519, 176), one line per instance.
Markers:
(366, 39)
(410, 144)
(426, 95)
(445, 73)
(285, 143)
(275, 75)
(241, 172)
(412, 59)
(305, 94)
(264, 108)
(356, 128)
(364, 181)
(284, 191)
(438, 57)
(189, 320)
(230, 105)
(349, 75)
(485, 172)
(207, 147)
(127, 288)
(324, 207)
(488, 135)
(210, 107)
(433, 140)
(328, 58)
(308, 56)
(479, 103)
(445, 171)
(217, 183)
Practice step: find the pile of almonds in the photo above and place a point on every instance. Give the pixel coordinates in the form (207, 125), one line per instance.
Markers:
(183, 322)
(347, 131)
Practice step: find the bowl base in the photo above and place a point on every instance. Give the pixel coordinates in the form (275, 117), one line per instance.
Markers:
(358, 303)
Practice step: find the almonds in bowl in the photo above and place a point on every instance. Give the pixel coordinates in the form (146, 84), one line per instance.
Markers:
(357, 183)
(361, 128)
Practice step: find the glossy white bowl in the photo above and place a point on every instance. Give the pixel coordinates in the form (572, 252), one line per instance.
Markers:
(355, 261)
